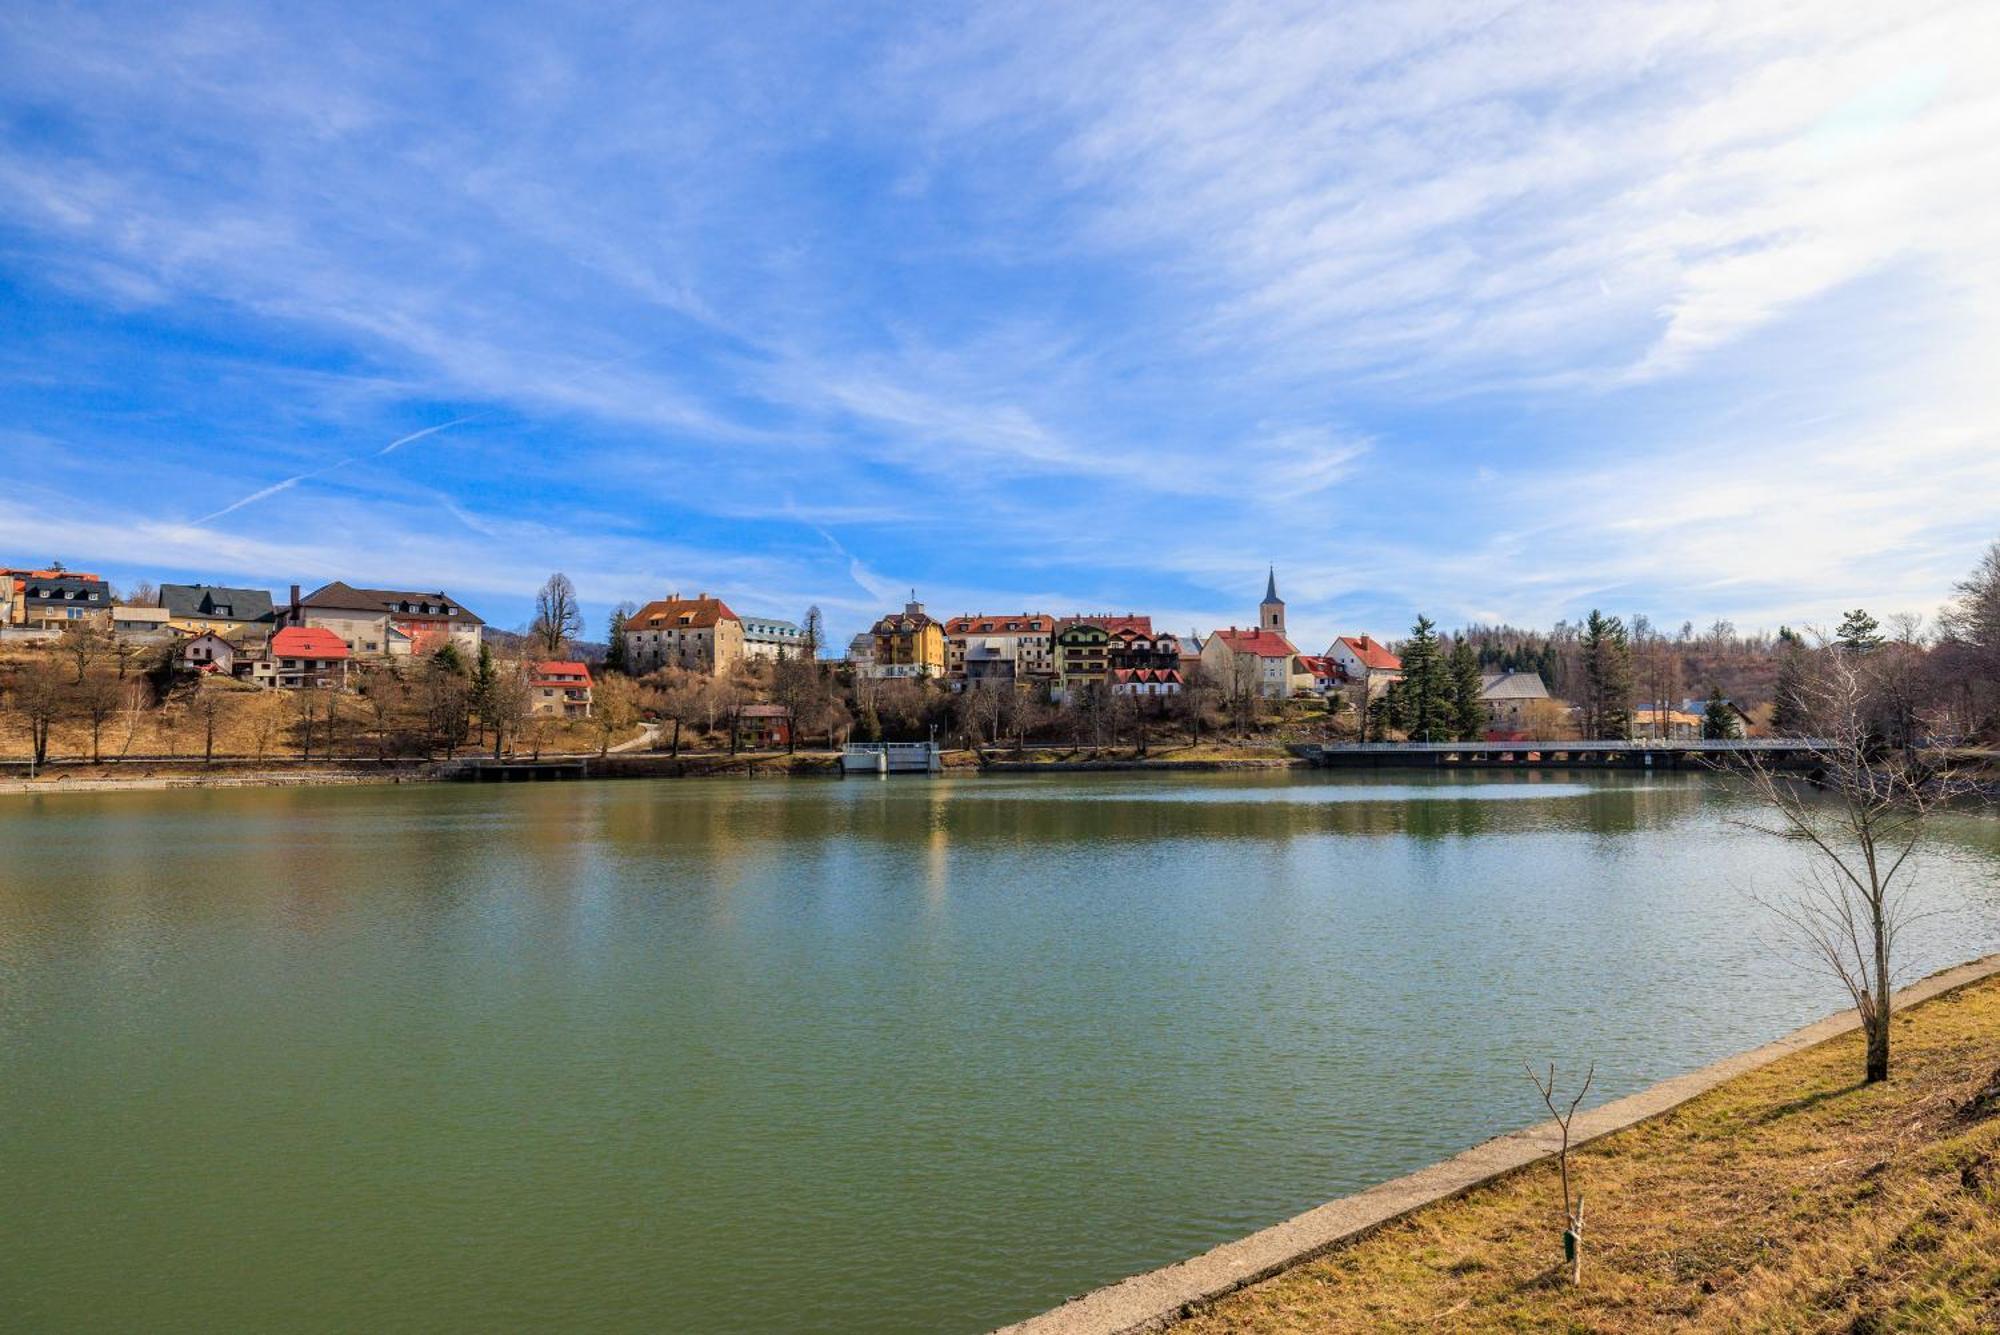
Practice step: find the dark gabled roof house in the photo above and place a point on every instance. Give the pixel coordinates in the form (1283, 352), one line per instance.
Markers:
(339, 597)
(213, 602)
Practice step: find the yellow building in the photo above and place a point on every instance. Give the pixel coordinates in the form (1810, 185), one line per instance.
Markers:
(907, 644)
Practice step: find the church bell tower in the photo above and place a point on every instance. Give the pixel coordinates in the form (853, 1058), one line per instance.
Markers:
(1271, 612)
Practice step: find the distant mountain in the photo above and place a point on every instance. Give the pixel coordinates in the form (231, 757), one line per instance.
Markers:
(512, 643)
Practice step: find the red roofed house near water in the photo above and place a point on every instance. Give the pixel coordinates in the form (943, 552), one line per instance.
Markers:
(560, 686)
(309, 656)
(1367, 661)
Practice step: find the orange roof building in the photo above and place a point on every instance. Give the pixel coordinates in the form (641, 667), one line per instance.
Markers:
(698, 634)
(560, 686)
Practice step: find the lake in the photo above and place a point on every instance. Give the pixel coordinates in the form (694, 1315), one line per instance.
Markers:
(866, 1055)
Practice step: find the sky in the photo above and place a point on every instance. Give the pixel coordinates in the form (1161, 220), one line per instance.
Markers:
(1493, 312)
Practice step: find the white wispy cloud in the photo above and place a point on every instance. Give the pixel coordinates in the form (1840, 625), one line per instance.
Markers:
(1092, 302)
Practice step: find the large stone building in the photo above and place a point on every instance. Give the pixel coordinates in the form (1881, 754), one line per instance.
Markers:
(1016, 648)
(386, 623)
(770, 638)
(699, 634)
(909, 643)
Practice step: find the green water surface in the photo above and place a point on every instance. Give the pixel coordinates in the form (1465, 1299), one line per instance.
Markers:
(864, 1055)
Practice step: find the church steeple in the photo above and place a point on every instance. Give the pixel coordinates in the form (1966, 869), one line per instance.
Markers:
(1271, 612)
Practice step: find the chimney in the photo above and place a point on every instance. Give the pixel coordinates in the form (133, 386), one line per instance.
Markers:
(294, 615)
(701, 597)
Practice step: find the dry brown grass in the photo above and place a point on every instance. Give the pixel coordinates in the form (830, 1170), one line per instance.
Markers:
(1790, 1199)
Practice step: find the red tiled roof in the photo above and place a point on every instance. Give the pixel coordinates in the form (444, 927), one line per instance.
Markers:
(1143, 625)
(307, 642)
(1373, 654)
(1320, 666)
(1143, 675)
(666, 614)
(1261, 642)
(1024, 623)
(561, 672)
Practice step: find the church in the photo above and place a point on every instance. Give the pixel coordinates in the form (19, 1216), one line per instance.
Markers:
(1260, 659)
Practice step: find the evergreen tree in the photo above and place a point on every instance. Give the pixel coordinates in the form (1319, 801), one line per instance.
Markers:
(1426, 705)
(1607, 676)
(449, 659)
(1469, 712)
(1859, 632)
(615, 659)
(485, 683)
(1788, 705)
(1718, 721)
(815, 633)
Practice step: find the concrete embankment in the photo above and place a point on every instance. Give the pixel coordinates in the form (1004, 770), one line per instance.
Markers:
(144, 777)
(1162, 766)
(1162, 1298)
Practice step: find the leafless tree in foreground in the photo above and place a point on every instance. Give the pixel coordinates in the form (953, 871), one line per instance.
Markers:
(1572, 1207)
(1863, 810)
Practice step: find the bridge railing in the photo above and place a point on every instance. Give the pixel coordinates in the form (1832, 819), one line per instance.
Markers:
(1738, 744)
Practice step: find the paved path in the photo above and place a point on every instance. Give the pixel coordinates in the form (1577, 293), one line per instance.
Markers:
(1161, 1298)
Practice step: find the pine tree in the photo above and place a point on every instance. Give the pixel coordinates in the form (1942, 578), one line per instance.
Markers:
(815, 633)
(449, 659)
(485, 683)
(1469, 711)
(1859, 632)
(1718, 721)
(615, 659)
(1788, 705)
(1426, 705)
(1607, 675)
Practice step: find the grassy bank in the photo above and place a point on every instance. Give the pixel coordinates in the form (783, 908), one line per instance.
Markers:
(1787, 1199)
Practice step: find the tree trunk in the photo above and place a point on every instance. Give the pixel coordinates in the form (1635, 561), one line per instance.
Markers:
(677, 739)
(1878, 1032)
(1878, 1047)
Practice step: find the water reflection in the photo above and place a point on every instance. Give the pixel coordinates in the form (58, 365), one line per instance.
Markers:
(893, 1055)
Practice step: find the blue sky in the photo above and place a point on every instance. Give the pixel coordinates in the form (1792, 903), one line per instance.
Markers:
(1493, 312)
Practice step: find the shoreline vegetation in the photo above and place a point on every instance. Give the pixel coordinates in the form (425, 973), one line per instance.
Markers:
(1790, 1196)
(141, 773)
(144, 773)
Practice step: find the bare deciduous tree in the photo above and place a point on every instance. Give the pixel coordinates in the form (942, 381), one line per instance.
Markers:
(1863, 815)
(40, 699)
(1572, 1206)
(507, 703)
(207, 709)
(558, 618)
(614, 707)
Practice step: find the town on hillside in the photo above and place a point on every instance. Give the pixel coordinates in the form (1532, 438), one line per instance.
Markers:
(180, 669)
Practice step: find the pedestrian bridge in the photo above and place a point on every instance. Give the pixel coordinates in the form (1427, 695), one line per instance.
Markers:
(1563, 755)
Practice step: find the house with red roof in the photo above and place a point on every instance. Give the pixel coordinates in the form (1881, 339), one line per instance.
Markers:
(559, 686)
(1146, 681)
(1260, 661)
(1366, 662)
(52, 598)
(1015, 647)
(305, 656)
(700, 634)
(386, 623)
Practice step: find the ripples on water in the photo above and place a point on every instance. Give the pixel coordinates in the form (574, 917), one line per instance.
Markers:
(903, 1055)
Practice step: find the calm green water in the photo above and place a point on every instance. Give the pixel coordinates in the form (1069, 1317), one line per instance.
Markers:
(904, 1055)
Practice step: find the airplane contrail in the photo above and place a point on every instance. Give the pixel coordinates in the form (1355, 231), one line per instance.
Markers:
(400, 441)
